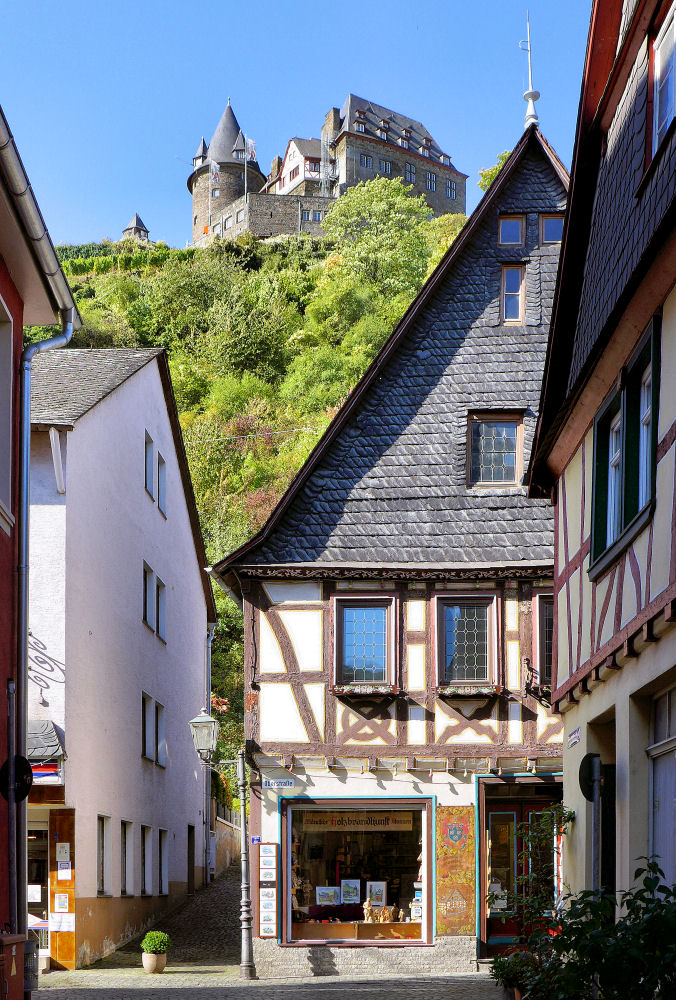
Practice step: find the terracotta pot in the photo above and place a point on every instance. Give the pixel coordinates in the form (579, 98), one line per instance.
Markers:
(153, 963)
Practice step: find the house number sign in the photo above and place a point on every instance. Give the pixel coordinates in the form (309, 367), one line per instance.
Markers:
(268, 856)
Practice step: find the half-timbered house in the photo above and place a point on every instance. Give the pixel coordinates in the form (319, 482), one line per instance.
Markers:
(397, 620)
(605, 445)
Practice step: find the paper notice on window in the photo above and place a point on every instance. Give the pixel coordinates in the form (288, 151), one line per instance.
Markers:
(34, 893)
(64, 872)
(61, 902)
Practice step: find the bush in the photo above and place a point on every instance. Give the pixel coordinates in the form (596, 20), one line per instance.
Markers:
(156, 943)
(513, 970)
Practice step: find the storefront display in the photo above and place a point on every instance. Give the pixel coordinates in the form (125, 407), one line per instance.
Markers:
(356, 874)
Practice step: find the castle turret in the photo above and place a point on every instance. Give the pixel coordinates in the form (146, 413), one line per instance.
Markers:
(218, 176)
(135, 228)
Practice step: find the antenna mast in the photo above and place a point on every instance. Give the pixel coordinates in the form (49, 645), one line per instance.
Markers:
(530, 96)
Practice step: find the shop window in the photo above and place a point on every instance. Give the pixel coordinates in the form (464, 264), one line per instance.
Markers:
(511, 229)
(495, 449)
(364, 641)
(625, 444)
(466, 640)
(340, 859)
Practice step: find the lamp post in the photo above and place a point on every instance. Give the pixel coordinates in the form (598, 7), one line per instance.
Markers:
(204, 730)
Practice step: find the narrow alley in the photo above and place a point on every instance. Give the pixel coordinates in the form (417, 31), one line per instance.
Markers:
(204, 960)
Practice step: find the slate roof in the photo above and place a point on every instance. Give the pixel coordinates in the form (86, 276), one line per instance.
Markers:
(375, 113)
(386, 485)
(311, 148)
(201, 150)
(67, 383)
(136, 222)
(224, 138)
(42, 741)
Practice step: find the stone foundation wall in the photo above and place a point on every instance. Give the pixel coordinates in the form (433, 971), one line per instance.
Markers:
(271, 215)
(450, 956)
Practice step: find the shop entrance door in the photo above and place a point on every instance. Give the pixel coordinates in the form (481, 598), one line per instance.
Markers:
(504, 864)
(38, 885)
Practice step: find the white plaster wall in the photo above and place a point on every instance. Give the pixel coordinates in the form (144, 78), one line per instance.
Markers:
(47, 649)
(112, 527)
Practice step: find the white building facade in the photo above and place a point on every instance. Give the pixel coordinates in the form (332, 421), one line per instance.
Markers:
(119, 608)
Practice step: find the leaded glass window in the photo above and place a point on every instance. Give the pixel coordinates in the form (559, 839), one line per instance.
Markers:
(493, 451)
(362, 643)
(546, 637)
(464, 639)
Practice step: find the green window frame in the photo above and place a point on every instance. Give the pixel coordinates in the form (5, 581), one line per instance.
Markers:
(627, 481)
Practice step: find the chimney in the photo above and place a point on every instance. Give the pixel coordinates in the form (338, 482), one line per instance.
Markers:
(332, 124)
(275, 166)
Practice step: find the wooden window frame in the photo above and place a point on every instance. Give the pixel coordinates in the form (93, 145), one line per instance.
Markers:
(409, 173)
(161, 485)
(545, 217)
(496, 416)
(430, 180)
(489, 598)
(366, 599)
(625, 400)
(149, 466)
(146, 860)
(102, 848)
(149, 612)
(519, 321)
(126, 858)
(512, 217)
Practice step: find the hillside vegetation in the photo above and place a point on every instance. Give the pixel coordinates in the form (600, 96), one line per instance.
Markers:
(264, 341)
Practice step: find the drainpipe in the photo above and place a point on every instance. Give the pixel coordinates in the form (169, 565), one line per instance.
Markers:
(211, 628)
(20, 872)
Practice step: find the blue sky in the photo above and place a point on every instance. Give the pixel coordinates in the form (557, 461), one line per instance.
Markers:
(108, 101)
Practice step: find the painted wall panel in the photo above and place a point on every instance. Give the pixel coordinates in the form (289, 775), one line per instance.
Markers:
(562, 659)
(415, 615)
(270, 659)
(588, 477)
(416, 667)
(305, 633)
(608, 627)
(416, 725)
(513, 665)
(585, 638)
(315, 695)
(573, 501)
(289, 592)
(511, 614)
(514, 724)
(659, 573)
(280, 719)
(574, 616)
(668, 361)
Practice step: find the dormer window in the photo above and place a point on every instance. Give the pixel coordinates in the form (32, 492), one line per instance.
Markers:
(424, 151)
(381, 133)
(445, 160)
(359, 126)
(403, 142)
(239, 154)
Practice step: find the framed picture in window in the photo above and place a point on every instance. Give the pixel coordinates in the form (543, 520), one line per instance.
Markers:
(350, 890)
(377, 893)
(327, 895)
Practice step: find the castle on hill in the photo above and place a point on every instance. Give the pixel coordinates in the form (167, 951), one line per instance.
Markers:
(360, 141)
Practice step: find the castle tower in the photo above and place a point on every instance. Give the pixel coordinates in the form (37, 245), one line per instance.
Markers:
(228, 149)
(135, 229)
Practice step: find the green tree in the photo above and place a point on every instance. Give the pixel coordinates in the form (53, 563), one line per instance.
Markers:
(488, 174)
(380, 230)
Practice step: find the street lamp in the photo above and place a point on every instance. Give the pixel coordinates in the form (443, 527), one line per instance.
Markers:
(204, 731)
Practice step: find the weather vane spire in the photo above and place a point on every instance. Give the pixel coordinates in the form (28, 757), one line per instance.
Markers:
(531, 96)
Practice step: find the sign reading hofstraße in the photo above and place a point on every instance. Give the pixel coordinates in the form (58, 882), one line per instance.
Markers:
(376, 820)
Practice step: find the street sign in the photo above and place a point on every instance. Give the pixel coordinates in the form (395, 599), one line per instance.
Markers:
(279, 783)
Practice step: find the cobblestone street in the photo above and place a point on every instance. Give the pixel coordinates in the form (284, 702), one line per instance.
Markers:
(204, 962)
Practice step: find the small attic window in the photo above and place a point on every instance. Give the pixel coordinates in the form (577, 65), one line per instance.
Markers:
(359, 126)
(239, 154)
(511, 230)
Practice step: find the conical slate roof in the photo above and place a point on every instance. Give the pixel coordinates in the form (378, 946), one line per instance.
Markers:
(201, 149)
(136, 223)
(224, 138)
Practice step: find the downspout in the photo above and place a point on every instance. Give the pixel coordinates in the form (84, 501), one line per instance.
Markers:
(211, 628)
(20, 871)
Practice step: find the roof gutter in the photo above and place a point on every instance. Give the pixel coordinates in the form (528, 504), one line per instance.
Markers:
(34, 226)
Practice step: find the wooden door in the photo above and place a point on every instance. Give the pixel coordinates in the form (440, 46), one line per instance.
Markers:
(664, 814)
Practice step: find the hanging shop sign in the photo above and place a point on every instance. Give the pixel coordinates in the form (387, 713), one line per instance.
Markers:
(267, 890)
(377, 820)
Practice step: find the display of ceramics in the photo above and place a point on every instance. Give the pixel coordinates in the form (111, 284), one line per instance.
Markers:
(368, 912)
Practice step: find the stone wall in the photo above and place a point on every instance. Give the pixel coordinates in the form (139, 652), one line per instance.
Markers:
(227, 845)
(271, 215)
(231, 187)
(449, 956)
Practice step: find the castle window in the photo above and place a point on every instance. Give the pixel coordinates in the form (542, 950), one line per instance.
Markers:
(403, 142)
(228, 223)
(359, 126)
(512, 297)
(381, 133)
(495, 445)
(450, 189)
(313, 166)
(445, 160)
(365, 161)
(240, 215)
(305, 215)
(511, 230)
(409, 173)
(215, 192)
(294, 173)
(425, 151)
(239, 154)
(385, 167)
(316, 216)
(430, 181)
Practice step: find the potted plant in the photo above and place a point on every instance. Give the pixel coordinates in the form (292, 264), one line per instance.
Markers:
(155, 946)
(512, 971)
